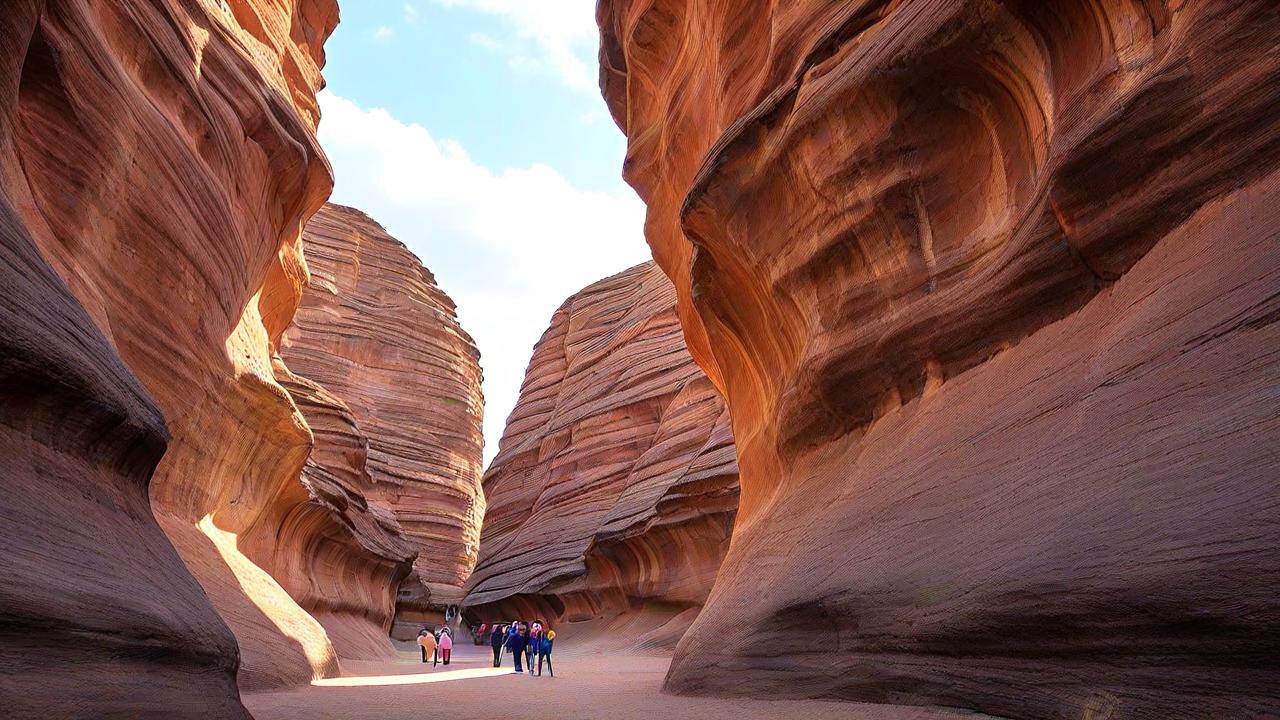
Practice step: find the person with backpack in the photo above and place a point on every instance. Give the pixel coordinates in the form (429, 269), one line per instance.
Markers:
(544, 651)
(496, 638)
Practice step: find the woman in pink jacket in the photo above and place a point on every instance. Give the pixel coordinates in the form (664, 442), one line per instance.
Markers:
(446, 645)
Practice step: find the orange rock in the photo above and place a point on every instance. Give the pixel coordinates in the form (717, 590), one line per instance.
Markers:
(615, 483)
(162, 159)
(990, 288)
(378, 334)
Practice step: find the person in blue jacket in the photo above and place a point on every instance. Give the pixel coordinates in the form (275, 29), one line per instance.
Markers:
(548, 637)
(496, 638)
(516, 643)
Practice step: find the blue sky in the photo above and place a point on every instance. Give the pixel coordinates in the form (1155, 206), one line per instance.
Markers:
(474, 131)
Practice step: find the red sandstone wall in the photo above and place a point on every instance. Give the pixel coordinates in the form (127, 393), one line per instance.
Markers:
(615, 484)
(990, 288)
(384, 341)
(161, 158)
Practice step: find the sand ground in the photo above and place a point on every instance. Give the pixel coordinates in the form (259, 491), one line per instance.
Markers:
(587, 686)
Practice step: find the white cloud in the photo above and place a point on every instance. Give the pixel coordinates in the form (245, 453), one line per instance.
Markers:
(508, 245)
(593, 116)
(383, 34)
(561, 33)
(410, 13)
(485, 41)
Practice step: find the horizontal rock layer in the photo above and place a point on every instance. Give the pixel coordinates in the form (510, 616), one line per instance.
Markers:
(615, 483)
(161, 157)
(990, 288)
(377, 333)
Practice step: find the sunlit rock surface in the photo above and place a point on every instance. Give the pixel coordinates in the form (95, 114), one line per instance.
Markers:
(991, 289)
(615, 483)
(161, 157)
(378, 334)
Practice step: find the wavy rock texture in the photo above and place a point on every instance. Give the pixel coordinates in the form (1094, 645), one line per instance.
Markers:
(346, 574)
(97, 612)
(161, 157)
(615, 484)
(376, 332)
(991, 289)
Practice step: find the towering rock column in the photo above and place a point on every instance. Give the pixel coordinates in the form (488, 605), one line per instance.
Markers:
(615, 485)
(378, 334)
(991, 289)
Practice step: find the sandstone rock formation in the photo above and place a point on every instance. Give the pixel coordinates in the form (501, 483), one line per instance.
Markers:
(161, 159)
(377, 333)
(97, 612)
(347, 573)
(615, 483)
(991, 289)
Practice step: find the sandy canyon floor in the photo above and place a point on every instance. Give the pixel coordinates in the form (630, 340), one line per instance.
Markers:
(588, 685)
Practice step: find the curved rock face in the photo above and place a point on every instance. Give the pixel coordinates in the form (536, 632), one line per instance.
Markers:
(376, 332)
(343, 573)
(615, 483)
(990, 288)
(97, 612)
(161, 157)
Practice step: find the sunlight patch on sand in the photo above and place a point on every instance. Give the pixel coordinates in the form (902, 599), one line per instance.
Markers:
(420, 678)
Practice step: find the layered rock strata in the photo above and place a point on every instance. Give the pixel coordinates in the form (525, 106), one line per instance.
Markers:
(615, 483)
(161, 158)
(348, 572)
(991, 290)
(377, 333)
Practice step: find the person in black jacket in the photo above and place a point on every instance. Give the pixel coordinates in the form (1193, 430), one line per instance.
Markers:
(495, 641)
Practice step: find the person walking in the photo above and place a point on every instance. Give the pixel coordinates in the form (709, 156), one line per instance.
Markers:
(446, 646)
(427, 642)
(531, 647)
(496, 638)
(516, 643)
(544, 651)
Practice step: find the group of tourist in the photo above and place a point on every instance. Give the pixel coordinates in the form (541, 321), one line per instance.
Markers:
(525, 641)
(437, 645)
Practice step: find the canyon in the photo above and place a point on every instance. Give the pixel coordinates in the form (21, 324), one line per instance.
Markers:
(613, 492)
(990, 289)
(951, 387)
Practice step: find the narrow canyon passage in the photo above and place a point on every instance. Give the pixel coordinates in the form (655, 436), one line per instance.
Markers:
(946, 383)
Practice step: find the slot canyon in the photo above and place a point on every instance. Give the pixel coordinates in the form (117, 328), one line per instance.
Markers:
(952, 388)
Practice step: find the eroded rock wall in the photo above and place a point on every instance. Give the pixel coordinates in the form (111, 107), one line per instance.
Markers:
(98, 614)
(991, 290)
(377, 333)
(346, 573)
(615, 483)
(161, 157)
